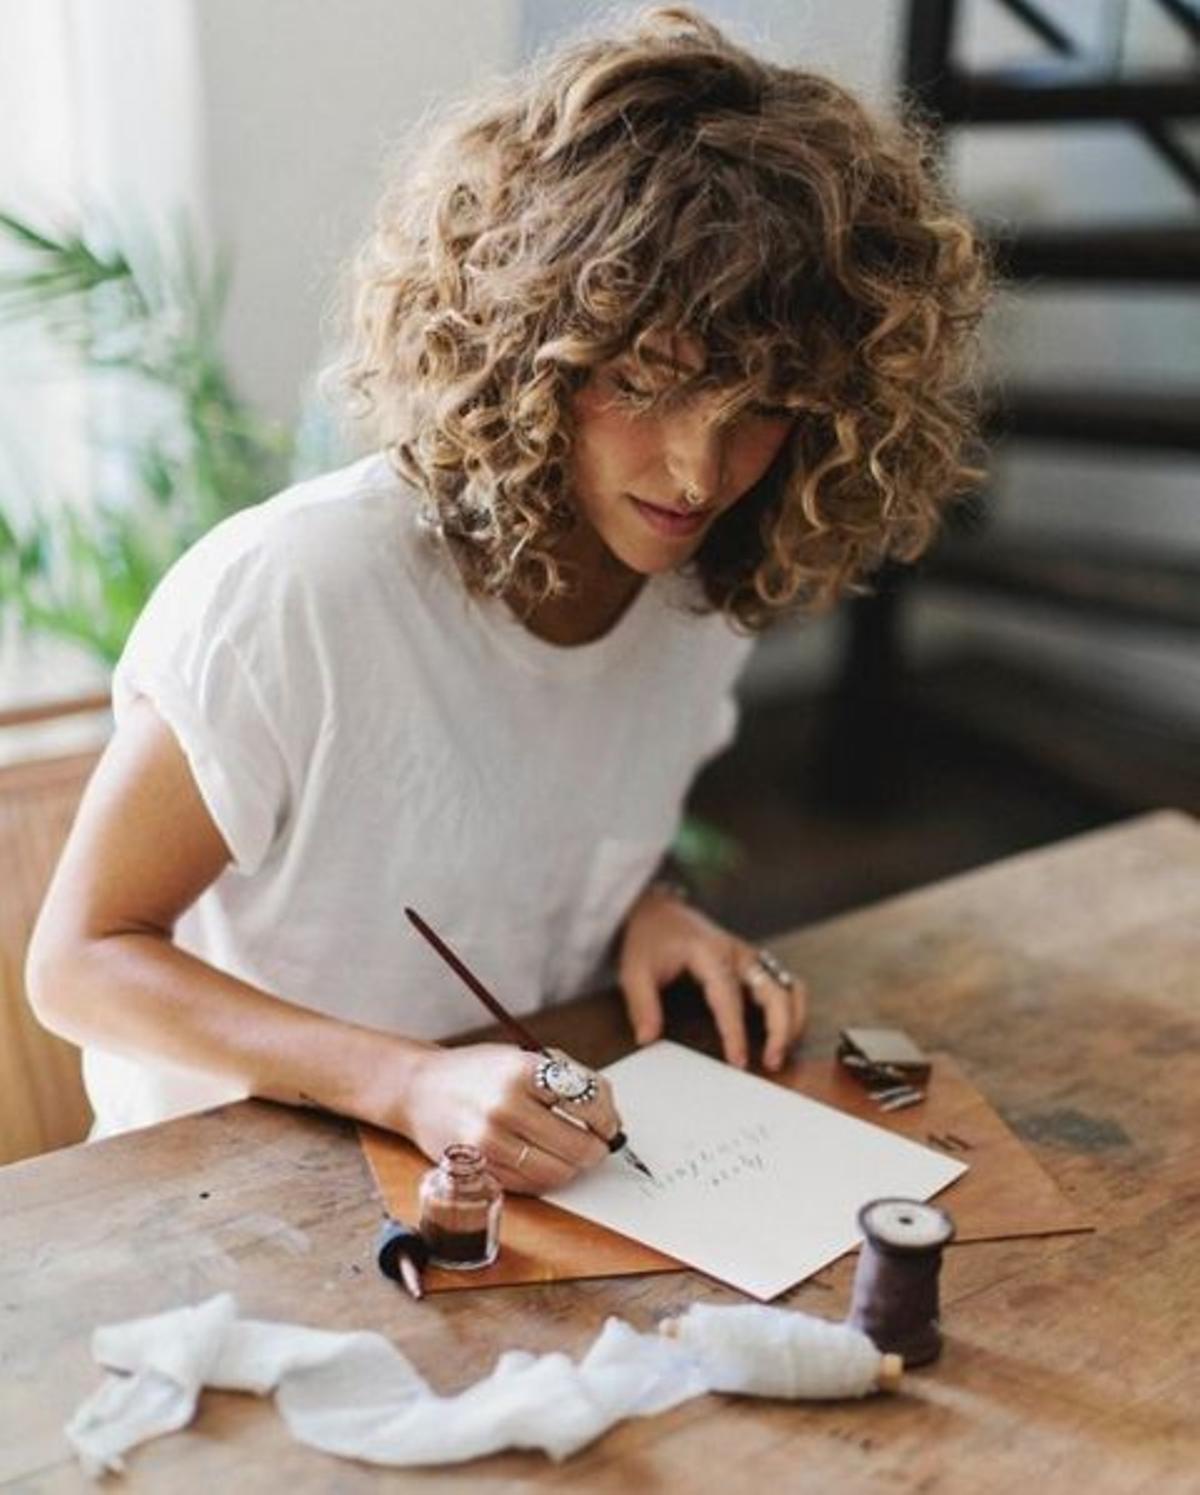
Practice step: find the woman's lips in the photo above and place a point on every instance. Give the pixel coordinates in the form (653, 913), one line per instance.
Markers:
(670, 521)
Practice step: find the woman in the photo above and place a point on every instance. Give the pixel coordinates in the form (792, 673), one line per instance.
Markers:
(661, 342)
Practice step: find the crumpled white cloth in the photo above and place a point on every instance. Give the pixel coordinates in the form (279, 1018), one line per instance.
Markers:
(357, 1395)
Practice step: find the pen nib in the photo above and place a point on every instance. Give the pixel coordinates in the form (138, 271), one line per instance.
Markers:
(619, 1143)
(632, 1158)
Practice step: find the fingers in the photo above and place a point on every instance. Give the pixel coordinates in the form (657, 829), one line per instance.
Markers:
(643, 1002)
(522, 1167)
(602, 1114)
(560, 1135)
(783, 999)
(534, 1147)
(723, 993)
(484, 1095)
(666, 939)
(598, 1118)
(537, 1150)
(799, 1008)
(723, 968)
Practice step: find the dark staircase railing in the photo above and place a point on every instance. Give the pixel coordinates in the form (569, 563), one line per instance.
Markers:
(1165, 420)
(1124, 584)
(1145, 254)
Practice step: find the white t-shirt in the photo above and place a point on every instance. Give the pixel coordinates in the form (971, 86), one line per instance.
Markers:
(366, 735)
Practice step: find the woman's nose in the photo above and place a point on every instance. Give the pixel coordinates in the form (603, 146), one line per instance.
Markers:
(695, 454)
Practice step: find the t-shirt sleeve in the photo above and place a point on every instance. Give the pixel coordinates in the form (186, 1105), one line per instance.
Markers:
(188, 656)
(722, 710)
(722, 727)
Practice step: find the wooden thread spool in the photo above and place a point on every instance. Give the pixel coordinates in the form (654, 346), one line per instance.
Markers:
(895, 1299)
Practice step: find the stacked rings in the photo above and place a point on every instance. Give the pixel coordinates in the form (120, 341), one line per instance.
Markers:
(778, 972)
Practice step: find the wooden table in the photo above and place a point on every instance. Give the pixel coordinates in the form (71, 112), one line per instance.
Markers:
(1067, 981)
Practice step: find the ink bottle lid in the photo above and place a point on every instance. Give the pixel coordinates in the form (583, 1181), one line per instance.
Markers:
(460, 1210)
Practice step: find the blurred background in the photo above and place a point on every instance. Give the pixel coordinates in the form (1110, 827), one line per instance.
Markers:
(180, 182)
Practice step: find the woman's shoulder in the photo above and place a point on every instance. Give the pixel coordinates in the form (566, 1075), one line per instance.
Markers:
(350, 528)
(335, 556)
(354, 512)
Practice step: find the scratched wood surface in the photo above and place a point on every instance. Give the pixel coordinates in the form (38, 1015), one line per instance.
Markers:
(1066, 982)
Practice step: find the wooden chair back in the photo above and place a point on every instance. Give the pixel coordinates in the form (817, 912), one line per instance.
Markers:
(42, 1101)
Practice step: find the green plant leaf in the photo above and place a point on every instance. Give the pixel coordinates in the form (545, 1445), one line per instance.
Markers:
(708, 853)
(147, 309)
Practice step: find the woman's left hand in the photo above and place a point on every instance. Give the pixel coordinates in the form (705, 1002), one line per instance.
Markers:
(665, 938)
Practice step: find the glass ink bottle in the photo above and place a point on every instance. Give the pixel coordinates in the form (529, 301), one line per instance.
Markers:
(460, 1210)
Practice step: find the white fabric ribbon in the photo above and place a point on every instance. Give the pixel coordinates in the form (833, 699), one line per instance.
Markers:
(358, 1396)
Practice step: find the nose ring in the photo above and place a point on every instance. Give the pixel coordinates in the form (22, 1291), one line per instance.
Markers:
(692, 499)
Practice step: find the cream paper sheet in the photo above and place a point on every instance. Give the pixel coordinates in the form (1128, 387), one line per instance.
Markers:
(754, 1184)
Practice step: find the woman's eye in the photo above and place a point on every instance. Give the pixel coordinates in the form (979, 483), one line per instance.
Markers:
(626, 386)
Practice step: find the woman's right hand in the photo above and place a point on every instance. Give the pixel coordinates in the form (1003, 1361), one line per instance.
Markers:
(485, 1094)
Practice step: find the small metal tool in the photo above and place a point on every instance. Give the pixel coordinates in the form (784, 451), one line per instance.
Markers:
(903, 1100)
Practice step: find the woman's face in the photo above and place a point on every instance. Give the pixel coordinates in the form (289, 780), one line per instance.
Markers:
(651, 484)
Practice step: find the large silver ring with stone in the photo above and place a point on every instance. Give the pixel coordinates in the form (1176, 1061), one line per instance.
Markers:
(774, 968)
(565, 1080)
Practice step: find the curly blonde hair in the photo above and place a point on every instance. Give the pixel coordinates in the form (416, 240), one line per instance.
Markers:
(666, 182)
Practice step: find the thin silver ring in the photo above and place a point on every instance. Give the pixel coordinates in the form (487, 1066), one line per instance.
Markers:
(774, 968)
(521, 1156)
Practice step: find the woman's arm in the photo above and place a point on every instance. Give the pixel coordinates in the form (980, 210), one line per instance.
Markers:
(103, 970)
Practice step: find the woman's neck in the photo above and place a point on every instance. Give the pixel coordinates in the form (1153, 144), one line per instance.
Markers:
(601, 590)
